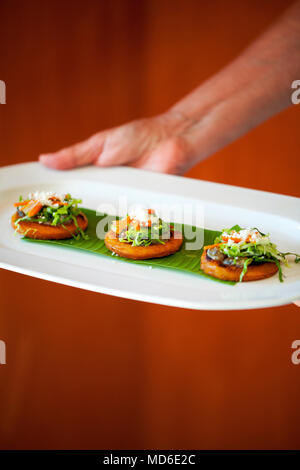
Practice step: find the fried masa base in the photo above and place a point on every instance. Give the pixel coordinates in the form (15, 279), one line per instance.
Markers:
(255, 272)
(48, 232)
(126, 250)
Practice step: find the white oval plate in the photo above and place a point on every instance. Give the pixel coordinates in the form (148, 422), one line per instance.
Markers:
(223, 206)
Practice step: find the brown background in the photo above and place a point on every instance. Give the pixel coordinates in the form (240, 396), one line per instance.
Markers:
(86, 370)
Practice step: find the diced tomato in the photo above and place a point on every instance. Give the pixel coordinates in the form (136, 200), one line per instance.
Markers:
(235, 239)
(56, 200)
(28, 205)
(35, 209)
(22, 203)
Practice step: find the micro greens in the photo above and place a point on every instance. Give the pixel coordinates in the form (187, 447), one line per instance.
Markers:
(253, 252)
(145, 236)
(57, 215)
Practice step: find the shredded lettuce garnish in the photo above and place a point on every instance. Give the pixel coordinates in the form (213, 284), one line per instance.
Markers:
(262, 250)
(138, 235)
(62, 213)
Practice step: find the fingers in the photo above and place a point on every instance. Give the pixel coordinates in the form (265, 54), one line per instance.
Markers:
(123, 145)
(114, 157)
(80, 154)
(297, 303)
(170, 156)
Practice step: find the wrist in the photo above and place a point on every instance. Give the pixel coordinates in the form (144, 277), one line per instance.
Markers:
(176, 122)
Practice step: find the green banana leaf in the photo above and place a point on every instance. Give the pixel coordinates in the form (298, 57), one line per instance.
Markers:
(184, 260)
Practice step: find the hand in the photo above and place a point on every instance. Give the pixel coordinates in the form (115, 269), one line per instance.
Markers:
(255, 86)
(297, 303)
(155, 144)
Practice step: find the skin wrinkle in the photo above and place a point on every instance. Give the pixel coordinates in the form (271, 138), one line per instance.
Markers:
(114, 151)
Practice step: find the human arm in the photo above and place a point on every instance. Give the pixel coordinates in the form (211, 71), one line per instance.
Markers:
(255, 86)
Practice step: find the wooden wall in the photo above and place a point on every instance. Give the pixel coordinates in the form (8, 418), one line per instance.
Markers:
(91, 371)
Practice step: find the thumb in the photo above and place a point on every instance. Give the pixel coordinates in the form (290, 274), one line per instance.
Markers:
(83, 153)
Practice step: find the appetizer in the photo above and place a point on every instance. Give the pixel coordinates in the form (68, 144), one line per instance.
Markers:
(142, 235)
(49, 216)
(243, 255)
